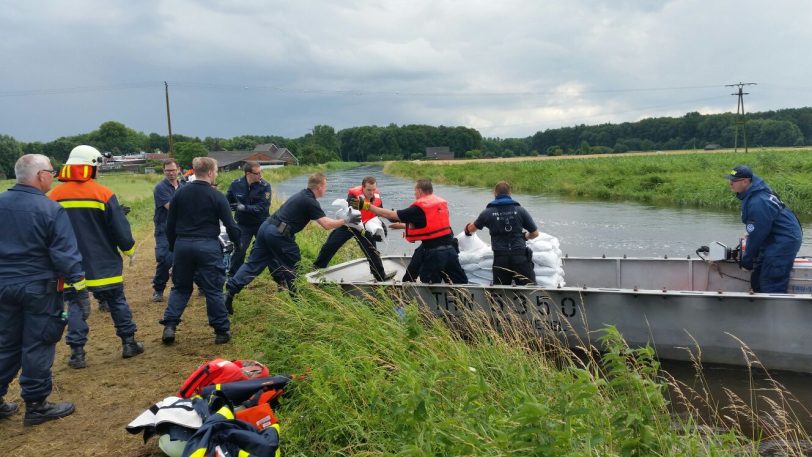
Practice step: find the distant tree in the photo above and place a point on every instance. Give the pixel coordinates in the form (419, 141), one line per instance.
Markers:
(186, 151)
(10, 151)
(311, 154)
(115, 137)
(473, 154)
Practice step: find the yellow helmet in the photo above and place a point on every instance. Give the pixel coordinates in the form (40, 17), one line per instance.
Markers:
(85, 155)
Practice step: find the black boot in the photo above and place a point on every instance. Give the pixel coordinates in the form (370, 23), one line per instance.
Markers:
(7, 409)
(130, 347)
(77, 357)
(222, 338)
(39, 412)
(229, 303)
(169, 334)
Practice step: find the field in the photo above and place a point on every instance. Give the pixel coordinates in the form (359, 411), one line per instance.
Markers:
(668, 179)
(376, 384)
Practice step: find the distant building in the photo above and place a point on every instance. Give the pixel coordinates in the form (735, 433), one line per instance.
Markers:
(439, 153)
(277, 153)
(233, 160)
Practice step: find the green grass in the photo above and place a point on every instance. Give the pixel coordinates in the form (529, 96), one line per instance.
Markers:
(685, 180)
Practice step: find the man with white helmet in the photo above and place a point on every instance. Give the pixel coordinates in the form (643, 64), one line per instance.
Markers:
(101, 230)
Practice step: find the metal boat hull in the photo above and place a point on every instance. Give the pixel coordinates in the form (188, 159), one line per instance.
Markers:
(686, 308)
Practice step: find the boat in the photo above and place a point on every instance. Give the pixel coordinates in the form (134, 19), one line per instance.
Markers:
(686, 308)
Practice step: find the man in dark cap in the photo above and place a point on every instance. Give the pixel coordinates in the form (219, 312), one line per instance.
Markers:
(773, 232)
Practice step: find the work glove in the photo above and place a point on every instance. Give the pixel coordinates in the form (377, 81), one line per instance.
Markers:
(240, 207)
(358, 203)
(126, 209)
(233, 206)
(353, 218)
(81, 298)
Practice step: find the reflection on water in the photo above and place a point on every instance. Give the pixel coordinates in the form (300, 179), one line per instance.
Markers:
(590, 229)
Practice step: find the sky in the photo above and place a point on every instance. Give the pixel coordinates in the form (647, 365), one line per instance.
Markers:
(507, 68)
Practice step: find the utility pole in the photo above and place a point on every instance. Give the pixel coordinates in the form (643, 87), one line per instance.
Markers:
(169, 120)
(740, 117)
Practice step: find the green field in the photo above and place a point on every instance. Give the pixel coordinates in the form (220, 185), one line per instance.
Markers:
(688, 180)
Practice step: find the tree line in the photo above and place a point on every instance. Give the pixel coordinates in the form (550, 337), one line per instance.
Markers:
(787, 127)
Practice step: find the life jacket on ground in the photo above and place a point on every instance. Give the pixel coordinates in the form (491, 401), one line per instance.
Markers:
(358, 191)
(253, 399)
(221, 371)
(438, 223)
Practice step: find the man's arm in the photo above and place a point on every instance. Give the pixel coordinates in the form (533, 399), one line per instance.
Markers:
(329, 223)
(390, 214)
(761, 215)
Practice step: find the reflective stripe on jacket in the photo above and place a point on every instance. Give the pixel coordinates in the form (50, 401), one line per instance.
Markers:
(438, 223)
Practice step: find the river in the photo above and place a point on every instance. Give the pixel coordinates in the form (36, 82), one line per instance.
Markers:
(590, 228)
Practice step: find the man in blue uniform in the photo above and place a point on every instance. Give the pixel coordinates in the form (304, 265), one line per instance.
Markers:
(193, 230)
(38, 249)
(510, 227)
(250, 198)
(162, 194)
(774, 234)
(276, 239)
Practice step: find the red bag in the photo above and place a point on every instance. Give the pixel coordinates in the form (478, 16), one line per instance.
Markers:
(221, 371)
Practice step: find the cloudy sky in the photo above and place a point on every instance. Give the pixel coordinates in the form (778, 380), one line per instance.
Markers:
(508, 68)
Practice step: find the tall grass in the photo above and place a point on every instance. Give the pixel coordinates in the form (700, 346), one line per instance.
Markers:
(690, 180)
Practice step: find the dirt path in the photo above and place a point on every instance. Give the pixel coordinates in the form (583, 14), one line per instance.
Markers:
(112, 391)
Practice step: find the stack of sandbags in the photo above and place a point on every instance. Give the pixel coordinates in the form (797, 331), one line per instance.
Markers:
(476, 258)
(547, 260)
(345, 212)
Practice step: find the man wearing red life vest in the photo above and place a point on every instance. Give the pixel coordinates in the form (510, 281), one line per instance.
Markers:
(366, 240)
(427, 221)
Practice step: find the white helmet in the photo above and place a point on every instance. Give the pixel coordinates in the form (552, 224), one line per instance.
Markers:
(85, 155)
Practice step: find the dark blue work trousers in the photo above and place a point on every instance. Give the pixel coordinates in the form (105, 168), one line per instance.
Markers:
(31, 324)
(201, 260)
(441, 264)
(163, 260)
(771, 274)
(119, 311)
(340, 236)
(273, 250)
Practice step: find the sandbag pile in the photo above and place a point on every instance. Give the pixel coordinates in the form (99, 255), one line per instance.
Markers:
(476, 258)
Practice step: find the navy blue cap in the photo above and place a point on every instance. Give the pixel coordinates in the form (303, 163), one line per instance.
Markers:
(739, 172)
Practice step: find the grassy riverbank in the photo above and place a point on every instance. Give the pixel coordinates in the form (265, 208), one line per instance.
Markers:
(690, 180)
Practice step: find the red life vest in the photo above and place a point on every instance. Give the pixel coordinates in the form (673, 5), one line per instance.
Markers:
(366, 215)
(437, 220)
(220, 371)
(79, 173)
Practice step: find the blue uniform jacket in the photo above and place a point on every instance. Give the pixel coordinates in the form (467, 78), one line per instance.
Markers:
(256, 198)
(772, 229)
(38, 240)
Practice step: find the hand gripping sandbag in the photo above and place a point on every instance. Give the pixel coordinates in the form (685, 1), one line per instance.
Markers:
(470, 243)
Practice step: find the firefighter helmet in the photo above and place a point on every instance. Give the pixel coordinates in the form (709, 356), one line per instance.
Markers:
(85, 155)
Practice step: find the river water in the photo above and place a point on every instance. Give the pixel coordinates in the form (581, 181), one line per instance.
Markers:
(589, 228)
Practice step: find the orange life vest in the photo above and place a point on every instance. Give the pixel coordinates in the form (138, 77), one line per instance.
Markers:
(437, 220)
(366, 215)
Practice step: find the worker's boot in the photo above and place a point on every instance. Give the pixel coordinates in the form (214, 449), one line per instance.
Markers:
(130, 347)
(168, 336)
(7, 409)
(77, 357)
(38, 412)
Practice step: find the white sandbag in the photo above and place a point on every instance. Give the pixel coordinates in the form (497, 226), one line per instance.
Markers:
(545, 271)
(486, 275)
(375, 227)
(470, 243)
(470, 266)
(486, 264)
(537, 245)
(546, 259)
(547, 238)
(470, 257)
(477, 280)
(554, 281)
(345, 212)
